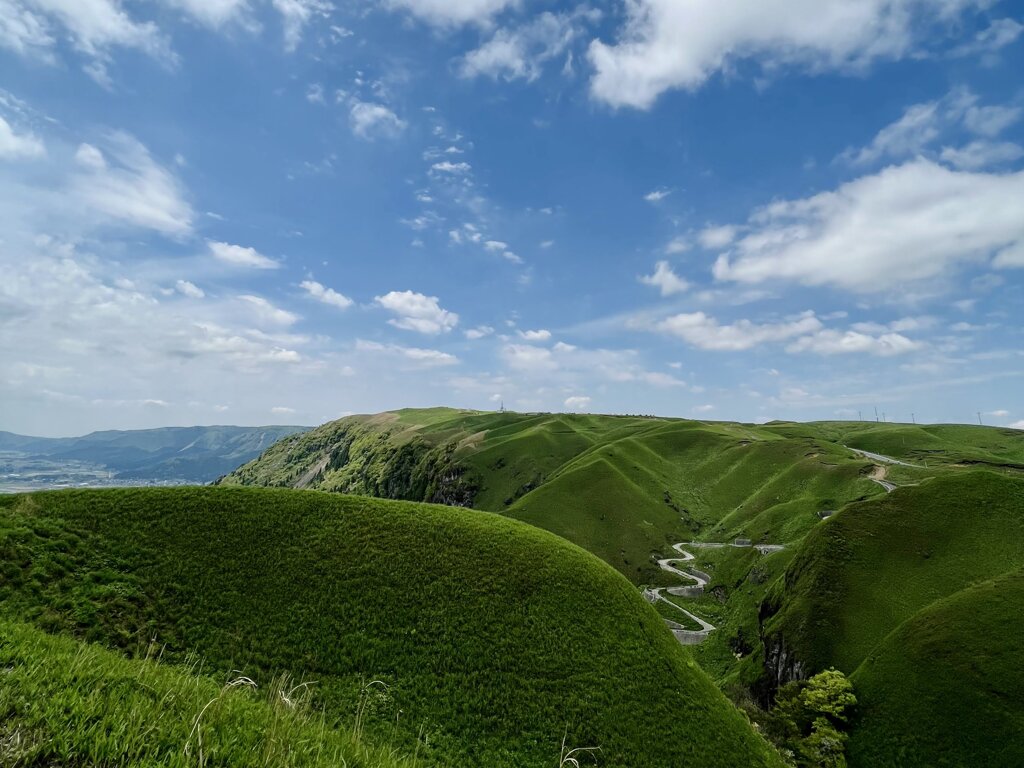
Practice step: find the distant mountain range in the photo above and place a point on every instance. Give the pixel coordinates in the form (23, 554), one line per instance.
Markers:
(168, 454)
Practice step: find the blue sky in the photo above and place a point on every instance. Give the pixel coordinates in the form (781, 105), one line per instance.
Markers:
(255, 211)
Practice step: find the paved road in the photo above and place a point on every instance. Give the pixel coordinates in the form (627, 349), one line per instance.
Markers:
(700, 580)
(881, 458)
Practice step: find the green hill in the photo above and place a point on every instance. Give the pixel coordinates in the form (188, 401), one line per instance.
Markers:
(493, 641)
(875, 564)
(622, 487)
(945, 688)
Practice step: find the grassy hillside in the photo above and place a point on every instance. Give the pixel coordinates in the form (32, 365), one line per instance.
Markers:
(945, 688)
(63, 702)
(875, 564)
(622, 487)
(495, 640)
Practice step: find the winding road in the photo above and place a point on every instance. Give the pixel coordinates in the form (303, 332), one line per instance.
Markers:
(701, 579)
(696, 589)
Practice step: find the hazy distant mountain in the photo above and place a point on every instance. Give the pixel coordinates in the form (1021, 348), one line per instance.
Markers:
(192, 454)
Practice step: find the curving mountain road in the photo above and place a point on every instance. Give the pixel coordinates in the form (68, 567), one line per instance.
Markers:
(700, 580)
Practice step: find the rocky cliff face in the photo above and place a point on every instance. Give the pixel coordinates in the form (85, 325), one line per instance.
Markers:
(781, 662)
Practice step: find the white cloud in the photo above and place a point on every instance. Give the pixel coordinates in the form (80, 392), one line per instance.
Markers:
(98, 25)
(428, 357)
(540, 335)
(918, 127)
(479, 332)
(998, 34)
(213, 13)
(325, 295)
(657, 195)
(23, 31)
(452, 12)
(495, 245)
(369, 120)
(16, 146)
(982, 154)
(908, 222)
(665, 280)
(281, 410)
(296, 14)
(668, 44)
(699, 330)
(713, 238)
(678, 244)
(265, 312)
(417, 312)
(520, 53)
(240, 256)
(1010, 257)
(921, 124)
(991, 120)
(1001, 413)
(128, 186)
(706, 408)
(446, 166)
(185, 288)
(577, 403)
(832, 342)
(1017, 424)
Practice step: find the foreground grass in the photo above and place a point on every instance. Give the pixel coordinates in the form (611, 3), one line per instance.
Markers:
(945, 688)
(64, 702)
(495, 640)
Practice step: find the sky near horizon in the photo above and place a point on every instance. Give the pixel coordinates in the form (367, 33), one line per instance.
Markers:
(286, 211)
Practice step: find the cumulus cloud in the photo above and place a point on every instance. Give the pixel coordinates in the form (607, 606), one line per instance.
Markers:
(479, 332)
(540, 335)
(657, 195)
(325, 295)
(906, 222)
(665, 280)
(191, 290)
(703, 332)
(982, 154)
(668, 44)
(916, 129)
(19, 146)
(577, 402)
(713, 238)
(416, 312)
(452, 13)
(240, 256)
(447, 166)
(369, 120)
(266, 313)
(832, 342)
(426, 357)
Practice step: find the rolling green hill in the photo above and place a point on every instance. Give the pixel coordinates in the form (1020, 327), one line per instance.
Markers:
(875, 564)
(622, 487)
(944, 689)
(628, 488)
(492, 641)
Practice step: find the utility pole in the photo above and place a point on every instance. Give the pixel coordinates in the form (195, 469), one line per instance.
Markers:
(913, 419)
(876, 413)
(979, 419)
(883, 415)
(860, 416)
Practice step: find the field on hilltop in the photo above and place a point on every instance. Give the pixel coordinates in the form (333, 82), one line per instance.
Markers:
(469, 639)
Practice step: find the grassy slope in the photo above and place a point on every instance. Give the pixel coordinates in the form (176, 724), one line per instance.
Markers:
(945, 688)
(622, 487)
(496, 638)
(876, 563)
(63, 702)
